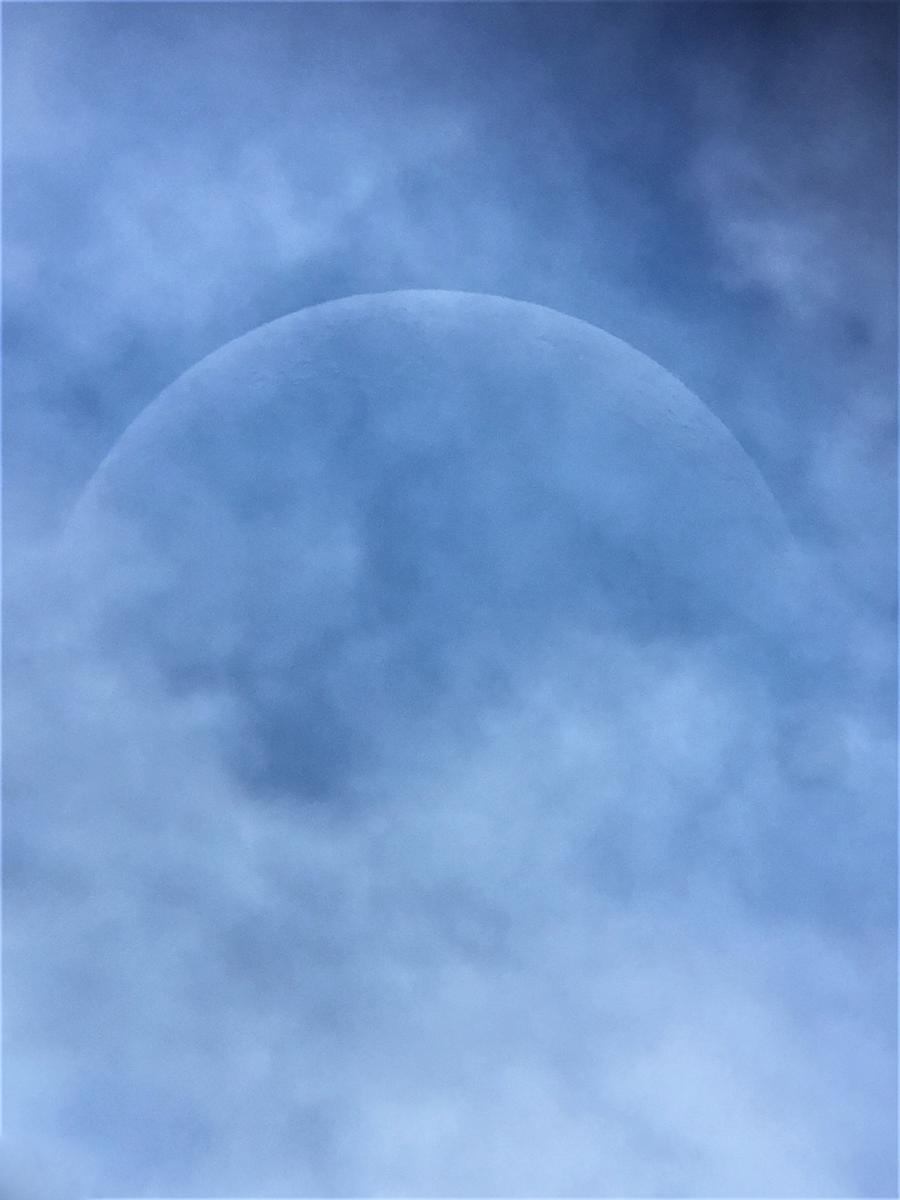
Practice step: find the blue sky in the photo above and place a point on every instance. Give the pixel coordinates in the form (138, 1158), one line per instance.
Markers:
(376, 821)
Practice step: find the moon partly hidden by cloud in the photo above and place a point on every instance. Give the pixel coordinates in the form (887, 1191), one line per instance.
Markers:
(388, 492)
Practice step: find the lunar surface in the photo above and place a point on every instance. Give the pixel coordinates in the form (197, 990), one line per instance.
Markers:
(370, 504)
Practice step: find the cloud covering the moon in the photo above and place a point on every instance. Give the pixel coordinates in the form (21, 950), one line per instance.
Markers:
(453, 789)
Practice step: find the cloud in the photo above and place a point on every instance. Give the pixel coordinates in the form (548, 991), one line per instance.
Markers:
(597, 908)
(510, 974)
(808, 226)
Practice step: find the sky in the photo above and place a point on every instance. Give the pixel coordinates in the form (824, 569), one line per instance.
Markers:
(416, 782)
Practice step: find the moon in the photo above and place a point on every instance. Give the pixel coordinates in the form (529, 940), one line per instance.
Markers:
(375, 503)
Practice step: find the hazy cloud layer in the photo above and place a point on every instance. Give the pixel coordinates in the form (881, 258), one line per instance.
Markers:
(570, 897)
